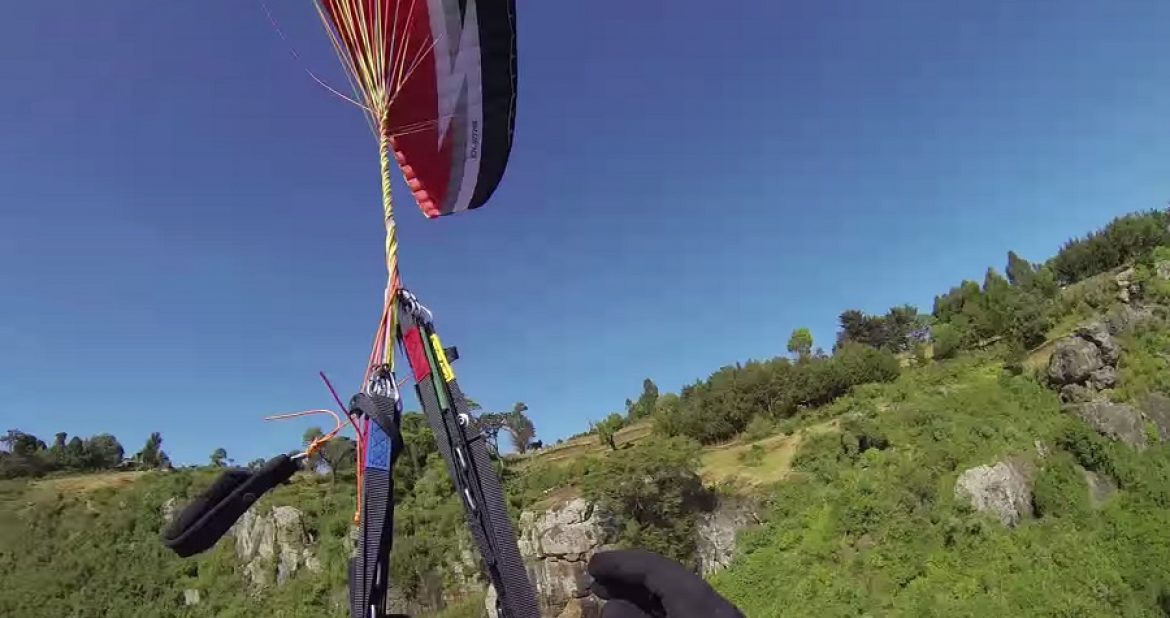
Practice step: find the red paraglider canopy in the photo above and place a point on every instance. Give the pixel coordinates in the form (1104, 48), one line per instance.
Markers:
(439, 80)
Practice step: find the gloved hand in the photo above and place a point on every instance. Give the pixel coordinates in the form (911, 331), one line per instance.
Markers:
(641, 584)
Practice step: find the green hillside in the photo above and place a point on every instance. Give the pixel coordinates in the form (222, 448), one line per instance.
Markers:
(880, 532)
(854, 454)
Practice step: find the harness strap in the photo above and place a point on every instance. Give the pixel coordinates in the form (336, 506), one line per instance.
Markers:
(467, 460)
(369, 569)
(210, 515)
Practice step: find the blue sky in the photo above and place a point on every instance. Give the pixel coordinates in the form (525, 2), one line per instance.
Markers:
(189, 227)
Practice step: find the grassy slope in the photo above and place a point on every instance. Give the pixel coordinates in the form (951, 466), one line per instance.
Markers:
(875, 533)
(880, 532)
(89, 546)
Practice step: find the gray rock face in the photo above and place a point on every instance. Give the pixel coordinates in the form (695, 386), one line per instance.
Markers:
(168, 510)
(1076, 393)
(1156, 408)
(1073, 361)
(556, 545)
(1101, 487)
(1098, 334)
(274, 546)
(1085, 363)
(1162, 269)
(1103, 378)
(1003, 489)
(1127, 317)
(570, 532)
(1126, 289)
(1116, 421)
(716, 534)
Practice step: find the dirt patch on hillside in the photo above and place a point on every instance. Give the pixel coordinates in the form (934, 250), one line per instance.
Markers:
(89, 482)
(732, 461)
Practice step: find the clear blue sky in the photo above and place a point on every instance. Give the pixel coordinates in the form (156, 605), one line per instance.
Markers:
(189, 227)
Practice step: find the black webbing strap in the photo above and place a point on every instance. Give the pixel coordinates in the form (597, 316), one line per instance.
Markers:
(210, 515)
(369, 569)
(467, 461)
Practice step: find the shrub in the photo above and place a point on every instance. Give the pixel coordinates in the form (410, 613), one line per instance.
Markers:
(759, 428)
(651, 491)
(947, 340)
(1089, 449)
(1060, 490)
(753, 456)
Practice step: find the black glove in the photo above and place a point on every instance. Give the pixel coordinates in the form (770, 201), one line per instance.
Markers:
(641, 584)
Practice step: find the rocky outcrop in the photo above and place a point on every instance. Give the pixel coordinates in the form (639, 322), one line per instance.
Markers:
(1103, 379)
(1116, 421)
(1097, 333)
(1077, 393)
(1083, 367)
(1073, 361)
(1156, 409)
(1101, 487)
(1128, 317)
(1127, 288)
(1003, 489)
(273, 546)
(1086, 359)
(168, 510)
(1162, 269)
(556, 545)
(717, 531)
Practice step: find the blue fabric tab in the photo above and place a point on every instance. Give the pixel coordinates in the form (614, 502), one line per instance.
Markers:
(377, 448)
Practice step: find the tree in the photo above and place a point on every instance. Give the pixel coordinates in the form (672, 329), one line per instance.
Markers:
(152, 455)
(75, 454)
(218, 456)
(23, 455)
(311, 435)
(339, 454)
(669, 419)
(1020, 272)
(800, 343)
(57, 451)
(999, 300)
(256, 464)
(22, 444)
(1123, 240)
(1044, 283)
(103, 452)
(654, 492)
(418, 451)
(947, 341)
(520, 427)
(855, 326)
(491, 424)
(897, 331)
(646, 403)
(607, 429)
(953, 303)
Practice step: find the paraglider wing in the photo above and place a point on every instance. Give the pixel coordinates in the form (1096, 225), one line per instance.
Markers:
(439, 77)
